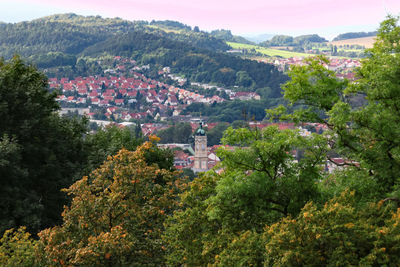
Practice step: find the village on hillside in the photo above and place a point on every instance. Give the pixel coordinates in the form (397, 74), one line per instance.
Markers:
(116, 97)
(120, 99)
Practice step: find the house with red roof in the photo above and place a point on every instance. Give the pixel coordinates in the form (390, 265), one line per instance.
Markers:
(181, 159)
(132, 94)
(172, 101)
(93, 94)
(61, 98)
(119, 101)
(82, 92)
(95, 101)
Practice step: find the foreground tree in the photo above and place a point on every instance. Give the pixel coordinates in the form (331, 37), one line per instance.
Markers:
(116, 216)
(40, 151)
(189, 229)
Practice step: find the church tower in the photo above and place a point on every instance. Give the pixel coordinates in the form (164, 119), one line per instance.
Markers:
(200, 150)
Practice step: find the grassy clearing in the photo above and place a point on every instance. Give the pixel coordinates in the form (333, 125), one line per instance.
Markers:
(268, 51)
(167, 30)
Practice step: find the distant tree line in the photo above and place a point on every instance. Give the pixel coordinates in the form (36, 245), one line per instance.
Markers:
(352, 35)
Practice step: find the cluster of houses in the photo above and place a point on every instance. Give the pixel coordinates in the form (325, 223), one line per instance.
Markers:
(344, 67)
(135, 97)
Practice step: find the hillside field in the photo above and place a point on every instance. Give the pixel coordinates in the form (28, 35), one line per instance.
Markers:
(268, 51)
(367, 42)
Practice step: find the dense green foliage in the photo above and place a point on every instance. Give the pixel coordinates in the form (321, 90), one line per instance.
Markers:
(107, 142)
(71, 34)
(40, 151)
(351, 35)
(214, 135)
(53, 59)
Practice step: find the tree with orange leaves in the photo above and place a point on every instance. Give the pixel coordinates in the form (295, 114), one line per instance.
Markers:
(116, 215)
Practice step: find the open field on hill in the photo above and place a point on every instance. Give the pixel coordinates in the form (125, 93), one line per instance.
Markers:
(367, 42)
(167, 30)
(268, 51)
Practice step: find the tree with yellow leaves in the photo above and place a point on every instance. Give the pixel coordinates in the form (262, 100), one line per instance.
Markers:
(17, 248)
(341, 233)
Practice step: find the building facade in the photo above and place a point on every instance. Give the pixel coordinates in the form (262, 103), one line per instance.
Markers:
(200, 152)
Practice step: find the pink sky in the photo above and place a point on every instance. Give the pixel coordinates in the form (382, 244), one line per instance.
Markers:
(250, 16)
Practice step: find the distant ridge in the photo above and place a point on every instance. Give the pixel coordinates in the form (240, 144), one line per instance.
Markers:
(259, 37)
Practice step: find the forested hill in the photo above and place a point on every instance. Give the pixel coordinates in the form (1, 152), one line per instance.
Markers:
(61, 40)
(70, 33)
